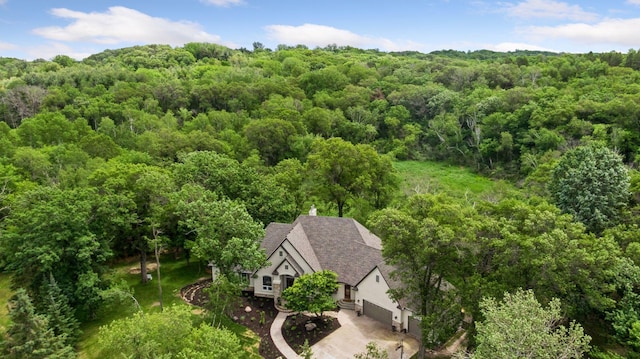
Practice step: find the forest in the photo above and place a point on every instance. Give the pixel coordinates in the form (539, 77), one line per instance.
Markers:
(191, 151)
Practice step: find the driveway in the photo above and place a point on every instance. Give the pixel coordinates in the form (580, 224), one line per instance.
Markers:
(354, 334)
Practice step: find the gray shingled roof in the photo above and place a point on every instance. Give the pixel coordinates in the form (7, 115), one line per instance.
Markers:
(274, 235)
(340, 244)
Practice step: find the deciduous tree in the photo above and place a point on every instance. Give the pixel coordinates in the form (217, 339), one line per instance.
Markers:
(263, 199)
(134, 196)
(224, 233)
(173, 333)
(520, 327)
(49, 231)
(271, 137)
(373, 352)
(312, 292)
(428, 243)
(340, 171)
(23, 101)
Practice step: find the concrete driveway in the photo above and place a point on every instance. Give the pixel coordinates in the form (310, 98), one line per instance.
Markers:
(354, 334)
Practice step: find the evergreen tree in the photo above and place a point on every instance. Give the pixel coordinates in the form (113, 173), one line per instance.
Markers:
(29, 335)
(61, 317)
(592, 184)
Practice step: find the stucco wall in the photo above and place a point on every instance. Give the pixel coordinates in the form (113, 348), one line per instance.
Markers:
(375, 291)
(276, 259)
(405, 319)
(340, 293)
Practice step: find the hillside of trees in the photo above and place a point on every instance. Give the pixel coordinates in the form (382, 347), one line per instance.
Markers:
(195, 149)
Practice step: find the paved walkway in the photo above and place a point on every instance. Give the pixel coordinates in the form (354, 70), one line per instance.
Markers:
(278, 339)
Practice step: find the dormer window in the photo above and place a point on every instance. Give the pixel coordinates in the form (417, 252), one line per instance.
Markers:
(377, 278)
(280, 253)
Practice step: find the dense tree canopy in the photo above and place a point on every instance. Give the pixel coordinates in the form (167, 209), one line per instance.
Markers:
(49, 233)
(224, 234)
(341, 171)
(205, 145)
(425, 242)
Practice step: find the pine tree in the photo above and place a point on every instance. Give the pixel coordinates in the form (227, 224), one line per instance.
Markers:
(29, 335)
(61, 317)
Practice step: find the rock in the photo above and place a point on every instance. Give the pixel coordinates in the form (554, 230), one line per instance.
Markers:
(247, 309)
(310, 326)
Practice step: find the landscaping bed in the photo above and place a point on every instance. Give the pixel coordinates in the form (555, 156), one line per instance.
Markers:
(258, 320)
(261, 316)
(295, 331)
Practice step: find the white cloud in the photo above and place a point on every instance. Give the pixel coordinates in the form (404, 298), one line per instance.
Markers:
(609, 31)
(513, 46)
(52, 49)
(313, 35)
(549, 9)
(2, 2)
(223, 3)
(7, 46)
(123, 25)
(633, 2)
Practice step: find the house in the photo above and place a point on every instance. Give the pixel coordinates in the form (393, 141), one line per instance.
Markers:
(313, 243)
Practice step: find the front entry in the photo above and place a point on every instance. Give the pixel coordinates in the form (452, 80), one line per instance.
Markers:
(288, 281)
(347, 293)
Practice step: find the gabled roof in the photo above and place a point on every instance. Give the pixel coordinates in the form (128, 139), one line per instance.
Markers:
(386, 271)
(339, 244)
(293, 264)
(274, 235)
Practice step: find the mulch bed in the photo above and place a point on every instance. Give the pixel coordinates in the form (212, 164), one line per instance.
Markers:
(295, 332)
(253, 321)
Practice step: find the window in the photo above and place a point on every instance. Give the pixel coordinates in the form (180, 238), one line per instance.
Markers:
(244, 278)
(266, 283)
(377, 278)
(286, 266)
(280, 253)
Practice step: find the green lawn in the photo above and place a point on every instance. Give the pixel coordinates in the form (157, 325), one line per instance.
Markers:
(175, 274)
(435, 177)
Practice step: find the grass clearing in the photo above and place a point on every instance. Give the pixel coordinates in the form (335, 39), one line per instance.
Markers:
(5, 295)
(436, 177)
(175, 274)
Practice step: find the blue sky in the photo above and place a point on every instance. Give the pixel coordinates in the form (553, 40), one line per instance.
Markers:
(31, 29)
